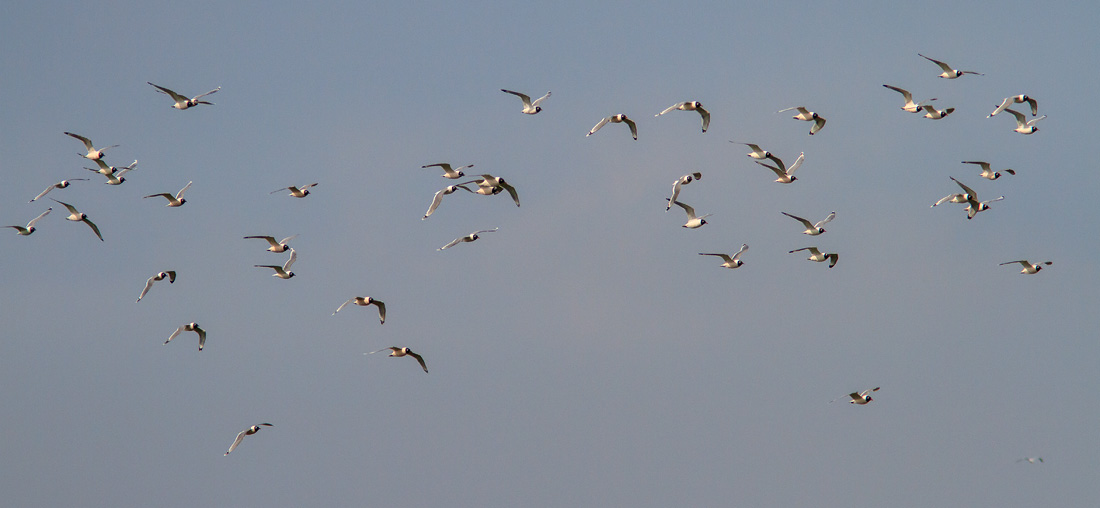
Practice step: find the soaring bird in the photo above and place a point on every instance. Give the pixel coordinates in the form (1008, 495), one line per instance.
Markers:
(453, 174)
(1029, 269)
(402, 351)
(807, 116)
(450, 189)
(786, 175)
(693, 221)
(860, 398)
(936, 114)
(114, 175)
(246, 432)
(298, 192)
(759, 153)
(619, 118)
(176, 200)
(1023, 125)
(1030, 460)
(948, 72)
(730, 261)
(59, 185)
(973, 206)
(468, 238)
(189, 327)
(680, 182)
(280, 246)
(169, 274)
(812, 229)
(182, 102)
(283, 272)
(529, 107)
(909, 106)
(987, 170)
(489, 185)
(93, 153)
(364, 301)
(1016, 99)
(77, 216)
(690, 106)
(820, 257)
(30, 225)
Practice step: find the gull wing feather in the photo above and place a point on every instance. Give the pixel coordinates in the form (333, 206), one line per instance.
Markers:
(240, 437)
(799, 219)
(419, 359)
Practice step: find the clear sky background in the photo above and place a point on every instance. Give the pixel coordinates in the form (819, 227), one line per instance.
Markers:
(584, 354)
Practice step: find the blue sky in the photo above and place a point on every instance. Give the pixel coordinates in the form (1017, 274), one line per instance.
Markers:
(584, 354)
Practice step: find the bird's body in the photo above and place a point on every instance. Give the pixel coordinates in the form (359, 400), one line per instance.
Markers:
(1016, 99)
(807, 116)
(29, 229)
(619, 118)
(298, 192)
(1023, 125)
(277, 247)
(680, 182)
(936, 114)
(283, 272)
(818, 256)
(169, 274)
(948, 71)
(93, 153)
(728, 261)
(189, 327)
(173, 201)
(785, 174)
(77, 216)
(1029, 268)
(987, 170)
(438, 198)
(402, 351)
(246, 432)
(468, 238)
(695, 106)
(693, 221)
(812, 229)
(529, 107)
(453, 174)
(59, 185)
(364, 301)
(183, 102)
(910, 106)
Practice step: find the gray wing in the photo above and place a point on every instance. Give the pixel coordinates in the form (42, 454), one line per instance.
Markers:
(342, 305)
(540, 99)
(36, 219)
(1021, 261)
(524, 97)
(832, 259)
(179, 194)
(799, 219)
(908, 96)
(1020, 120)
(287, 239)
(797, 163)
(175, 96)
(969, 192)
(175, 334)
(94, 228)
(634, 127)
(87, 142)
(71, 208)
(945, 67)
(43, 193)
(202, 337)
(744, 247)
(485, 231)
(946, 198)
(706, 117)
(813, 250)
(240, 437)
(789, 109)
(419, 359)
(511, 191)
(452, 244)
(293, 258)
(826, 220)
(598, 126)
(148, 284)
(270, 239)
(435, 204)
(725, 257)
(381, 311)
(197, 97)
(778, 172)
(1004, 104)
(818, 124)
(687, 208)
(671, 108)
(1034, 106)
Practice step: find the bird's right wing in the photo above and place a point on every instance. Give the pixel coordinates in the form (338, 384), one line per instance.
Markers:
(240, 437)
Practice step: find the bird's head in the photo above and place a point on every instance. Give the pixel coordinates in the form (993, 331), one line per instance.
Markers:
(183, 200)
(814, 116)
(696, 104)
(996, 175)
(702, 222)
(1037, 267)
(460, 175)
(793, 178)
(869, 399)
(820, 230)
(29, 230)
(538, 108)
(739, 262)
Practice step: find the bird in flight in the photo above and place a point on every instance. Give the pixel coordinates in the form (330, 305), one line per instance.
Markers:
(189, 327)
(298, 192)
(59, 185)
(784, 174)
(78, 216)
(1016, 99)
(280, 246)
(364, 301)
(807, 116)
(812, 229)
(402, 351)
(909, 106)
(25, 231)
(283, 272)
(695, 106)
(93, 153)
(453, 174)
(860, 398)
(619, 118)
(176, 200)
(948, 72)
(683, 180)
(450, 189)
(820, 257)
(987, 171)
(728, 261)
(169, 274)
(693, 221)
(468, 238)
(246, 432)
(529, 107)
(1029, 269)
(182, 102)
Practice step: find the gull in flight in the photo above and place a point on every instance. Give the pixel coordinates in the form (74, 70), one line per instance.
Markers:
(1016, 99)
(1030, 460)
(948, 72)
(453, 174)
(280, 246)
(298, 192)
(529, 107)
(468, 238)
(283, 272)
(189, 327)
(246, 432)
(182, 102)
(820, 257)
(113, 174)
(59, 185)
(450, 189)
(730, 261)
(909, 106)
(786, 175)
(973, 206)
(693, 221)
(170, 274)
(812, 229)
(936, 114)
(860, 398)
(987, 171)
(402, 351)
(489, 185)
(680, 182)
(1024, 126)
(690, 106)
(364, 301)
(759, 153)
(1029, 269)
(620, 118)
(176, 200)
(92, 154)
(807, 116)
(77, 216)
(25, 231)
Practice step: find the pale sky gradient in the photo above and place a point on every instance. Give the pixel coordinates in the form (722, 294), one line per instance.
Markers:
(584, 354)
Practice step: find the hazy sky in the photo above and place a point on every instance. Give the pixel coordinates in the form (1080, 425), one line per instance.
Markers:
(584, 354)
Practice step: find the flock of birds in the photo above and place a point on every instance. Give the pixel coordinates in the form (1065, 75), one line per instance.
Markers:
(489, 185)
